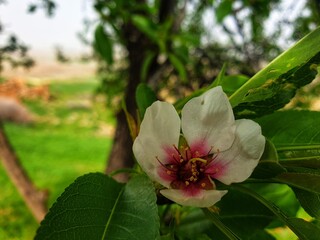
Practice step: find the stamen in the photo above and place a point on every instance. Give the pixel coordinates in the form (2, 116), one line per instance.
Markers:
(210, 150)
(186, 153)
(203, 185)
(213, 157)
(174, 158)
(193, 160)
(169, 168)
(187, 183)
(177, 150)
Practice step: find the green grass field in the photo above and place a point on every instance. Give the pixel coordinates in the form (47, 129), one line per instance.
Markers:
(68, 139)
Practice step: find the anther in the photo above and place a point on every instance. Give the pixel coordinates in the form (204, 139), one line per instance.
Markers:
(193, 179)
(210, 150)
(187, 183)
(203, 185)
(193, 160)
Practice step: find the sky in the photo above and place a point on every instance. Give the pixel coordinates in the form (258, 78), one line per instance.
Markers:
(42, 34)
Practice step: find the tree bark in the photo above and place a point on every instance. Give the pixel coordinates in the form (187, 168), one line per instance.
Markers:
(121, 155)
(35, 200)
(137, 45)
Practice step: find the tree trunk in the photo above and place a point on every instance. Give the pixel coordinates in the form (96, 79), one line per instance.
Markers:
(121, 155)
(36, 200)
(137, 45)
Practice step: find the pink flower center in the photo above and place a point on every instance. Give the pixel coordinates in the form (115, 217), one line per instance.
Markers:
(188, 170)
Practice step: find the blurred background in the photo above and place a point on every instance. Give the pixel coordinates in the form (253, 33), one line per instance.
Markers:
(67, 67)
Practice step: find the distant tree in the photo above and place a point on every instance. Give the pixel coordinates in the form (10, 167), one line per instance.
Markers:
(13, 52)
(48, 6)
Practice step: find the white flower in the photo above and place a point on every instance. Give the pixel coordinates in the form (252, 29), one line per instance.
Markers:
(217, 147)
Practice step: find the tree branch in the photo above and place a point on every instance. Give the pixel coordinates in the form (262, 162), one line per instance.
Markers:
(36, 200)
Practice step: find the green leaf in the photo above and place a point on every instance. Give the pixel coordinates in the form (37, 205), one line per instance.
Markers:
(220, 78)
(268, 166)
(197, 223)
(165, 237)
(132, 124)
(97, 207)
(273, 87)
(270, 152)
(194, 224)
(305, 181)
(145, 25)
(303, 229)
(222, 228)
(103, 44)
(146, 65)
(181, 102)
(296, 136)
(32, 8)
(144, 98)
(186, 38)
(232, 83)
(300, 155)
(223, 10)
(279, 194)
(179, 66)
(291, 127)
(243, 214)
(182, 52)
(245, 222)
(309, 201)
(239, 215)
(262, 235)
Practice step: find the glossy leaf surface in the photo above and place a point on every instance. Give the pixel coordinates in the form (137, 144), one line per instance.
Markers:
(273, 87)
(97, 207)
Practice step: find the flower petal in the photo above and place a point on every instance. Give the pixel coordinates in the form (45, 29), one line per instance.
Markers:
(205, 198)
(159, 130)
(237, 163)
(208, 121)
